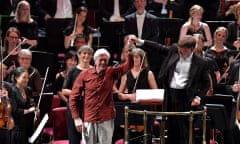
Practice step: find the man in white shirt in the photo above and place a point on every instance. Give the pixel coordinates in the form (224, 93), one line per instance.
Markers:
(184, 76)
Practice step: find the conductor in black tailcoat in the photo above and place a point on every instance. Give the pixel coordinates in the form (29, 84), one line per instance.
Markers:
(184, 76)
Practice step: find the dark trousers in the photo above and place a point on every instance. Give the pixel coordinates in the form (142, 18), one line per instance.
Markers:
(5, 136)
(178, 125)
(73, 135)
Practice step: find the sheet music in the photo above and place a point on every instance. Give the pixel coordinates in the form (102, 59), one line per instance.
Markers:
(149, 94)
(238, 125)
(39, 129)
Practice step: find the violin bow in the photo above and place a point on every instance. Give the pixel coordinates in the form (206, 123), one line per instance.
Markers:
(40, 97)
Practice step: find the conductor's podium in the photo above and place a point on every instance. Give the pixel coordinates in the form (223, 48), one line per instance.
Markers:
(146, 99)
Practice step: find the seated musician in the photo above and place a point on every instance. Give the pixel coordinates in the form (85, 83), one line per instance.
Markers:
(219, 52)
(6, 121)
(138, 77)
(24, 60)
(232, 135)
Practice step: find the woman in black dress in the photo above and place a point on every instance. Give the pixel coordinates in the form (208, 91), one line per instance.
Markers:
(22, 108)
(78, 26)
(27, 26)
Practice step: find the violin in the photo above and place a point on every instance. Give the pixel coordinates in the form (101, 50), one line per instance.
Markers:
(2, 113)
(6, 119)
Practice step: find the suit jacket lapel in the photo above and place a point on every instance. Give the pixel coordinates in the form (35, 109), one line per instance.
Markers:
(146, 24)
(172, 65)
(135, 30)
(193, 69)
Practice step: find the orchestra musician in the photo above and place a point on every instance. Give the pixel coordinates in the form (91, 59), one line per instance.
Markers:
(138, 77)
(219, 51)
(233, 40)
(11, 48)
(79, 25)
(233, 83)
(24, 60)
(84, 54)
(22, 107)
(6, 118)
(194, 25)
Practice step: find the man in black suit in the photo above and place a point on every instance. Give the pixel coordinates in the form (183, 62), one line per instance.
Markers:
(50, 6)
(231, 135)
(144, 25)
(107, 8)
(184, 76)
(141, 23)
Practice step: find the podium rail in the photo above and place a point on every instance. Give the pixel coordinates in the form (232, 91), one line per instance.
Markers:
(145, 113)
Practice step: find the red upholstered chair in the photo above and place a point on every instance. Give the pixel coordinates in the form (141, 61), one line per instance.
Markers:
(60, 131)
(48, 130)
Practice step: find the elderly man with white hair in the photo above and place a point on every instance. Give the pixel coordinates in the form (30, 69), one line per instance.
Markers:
(95, 85)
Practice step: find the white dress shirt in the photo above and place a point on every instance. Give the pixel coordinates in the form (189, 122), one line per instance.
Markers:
(64, 9)
(140, 21)
(181, 73)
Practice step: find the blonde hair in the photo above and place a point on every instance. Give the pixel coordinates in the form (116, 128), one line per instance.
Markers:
(221, 28)
(18, 9)
(142, 54)
(193, 10)
(233, 10)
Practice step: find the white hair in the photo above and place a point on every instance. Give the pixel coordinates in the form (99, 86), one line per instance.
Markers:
(24, 51)
(101, 51)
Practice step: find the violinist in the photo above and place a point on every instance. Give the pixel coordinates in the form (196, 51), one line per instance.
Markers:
(138, 77)
(11, 41)
(232, 133)
(22, 110)
(24, 60)
(6, 119)
(219, 51)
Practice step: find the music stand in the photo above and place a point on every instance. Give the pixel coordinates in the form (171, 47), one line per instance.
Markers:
(54, 33)
(112, 36)
(226, 100)
(169, 28)
(217, 115)
(219, 111)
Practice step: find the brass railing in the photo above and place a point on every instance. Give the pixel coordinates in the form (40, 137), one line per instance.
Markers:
(162, 139)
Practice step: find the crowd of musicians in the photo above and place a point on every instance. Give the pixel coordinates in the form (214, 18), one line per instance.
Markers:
(201, 64)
